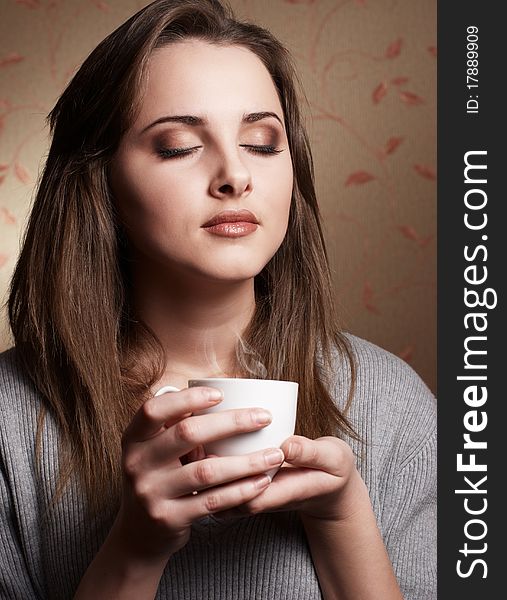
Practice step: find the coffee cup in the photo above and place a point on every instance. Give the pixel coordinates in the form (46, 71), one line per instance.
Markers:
(278, 397)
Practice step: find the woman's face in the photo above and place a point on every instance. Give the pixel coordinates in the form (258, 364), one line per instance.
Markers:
(204, 143)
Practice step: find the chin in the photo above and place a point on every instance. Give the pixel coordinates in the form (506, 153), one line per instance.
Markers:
(234, 272)
(234, 276)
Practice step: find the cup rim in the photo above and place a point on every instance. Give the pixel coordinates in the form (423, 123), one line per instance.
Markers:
(220, 379)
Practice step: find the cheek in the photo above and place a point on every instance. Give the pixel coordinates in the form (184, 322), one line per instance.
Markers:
(285, 183)
(145, 196)
(279, 197)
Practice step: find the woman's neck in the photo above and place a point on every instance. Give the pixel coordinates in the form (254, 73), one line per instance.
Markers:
(198, 323)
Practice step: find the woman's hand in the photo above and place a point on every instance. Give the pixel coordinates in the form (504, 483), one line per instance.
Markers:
(322, 483)
(158, 506)
(319, 479)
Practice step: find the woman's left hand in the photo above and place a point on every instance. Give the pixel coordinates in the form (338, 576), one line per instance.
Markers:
(318, 478)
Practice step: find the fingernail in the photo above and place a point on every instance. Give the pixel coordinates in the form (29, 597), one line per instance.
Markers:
(262, 482)
(263, 416)
(274, 457)
(214, 394)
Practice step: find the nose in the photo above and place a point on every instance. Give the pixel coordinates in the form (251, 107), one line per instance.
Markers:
(232, 178)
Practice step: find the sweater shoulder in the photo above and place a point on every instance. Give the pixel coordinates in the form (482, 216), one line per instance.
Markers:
(384, 370)
(14, 380)
(391, 403)
(20, 401)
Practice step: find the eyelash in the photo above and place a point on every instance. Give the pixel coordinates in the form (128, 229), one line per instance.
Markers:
(181, 152)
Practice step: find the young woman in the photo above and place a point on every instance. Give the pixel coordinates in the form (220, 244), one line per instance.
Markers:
(182, 119)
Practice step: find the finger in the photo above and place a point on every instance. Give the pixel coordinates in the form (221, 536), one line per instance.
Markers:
(287, 491)
(290, 489)
(295, 483)
(328, 454)
(197, 430)
(212, 472)
(155, 412)
(222, 498)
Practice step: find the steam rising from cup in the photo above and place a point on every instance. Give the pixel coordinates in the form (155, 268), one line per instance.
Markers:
(248, 359)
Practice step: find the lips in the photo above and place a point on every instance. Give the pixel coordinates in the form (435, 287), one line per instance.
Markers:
(232, 216)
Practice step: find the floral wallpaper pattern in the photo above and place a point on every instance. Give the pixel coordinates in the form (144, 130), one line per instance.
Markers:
(368, 68)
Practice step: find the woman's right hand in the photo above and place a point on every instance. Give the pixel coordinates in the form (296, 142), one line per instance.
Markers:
(158, 506)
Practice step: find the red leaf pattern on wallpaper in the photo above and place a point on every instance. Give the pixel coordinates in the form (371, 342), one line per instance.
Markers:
(3, 259)
(21, 173)
(410, 98)
(424, 241)
(368, 298)
(432, 50)
(379, 92)
(3, 168)
(100, 5)
(399, 80)
(358, 178)
(407, 353)
(392, 144)
(409, 232)
(394, 48)
(7, 217)
(11, 59)
(425, 171)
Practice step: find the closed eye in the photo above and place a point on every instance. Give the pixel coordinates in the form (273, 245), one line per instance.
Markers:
(181, 152)
(269, 149)
(176, 152)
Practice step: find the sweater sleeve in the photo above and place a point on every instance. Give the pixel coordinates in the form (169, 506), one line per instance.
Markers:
(15, 581)
(411, 536)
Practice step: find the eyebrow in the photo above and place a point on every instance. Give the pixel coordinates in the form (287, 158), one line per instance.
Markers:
(194, 121)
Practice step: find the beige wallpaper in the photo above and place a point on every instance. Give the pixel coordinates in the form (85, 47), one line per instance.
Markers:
(369, 70)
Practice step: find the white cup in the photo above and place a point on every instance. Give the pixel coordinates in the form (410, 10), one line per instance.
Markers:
(278, 397)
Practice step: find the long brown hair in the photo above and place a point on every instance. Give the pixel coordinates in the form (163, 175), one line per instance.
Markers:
(75, 329)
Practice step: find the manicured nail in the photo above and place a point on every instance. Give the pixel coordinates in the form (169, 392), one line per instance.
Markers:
(214, 395)
(262, 482)
(262, 417)
(274, 457)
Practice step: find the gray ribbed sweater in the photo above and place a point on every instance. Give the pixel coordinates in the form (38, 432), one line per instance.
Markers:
(260, 557)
